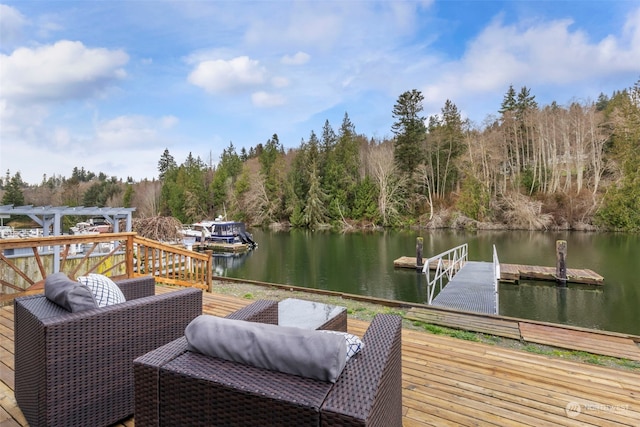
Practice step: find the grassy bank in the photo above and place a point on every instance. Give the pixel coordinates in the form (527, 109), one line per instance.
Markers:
(363, 310)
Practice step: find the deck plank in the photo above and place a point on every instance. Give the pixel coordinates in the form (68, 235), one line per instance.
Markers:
(579, 340)
(456, 320)
(452, 382)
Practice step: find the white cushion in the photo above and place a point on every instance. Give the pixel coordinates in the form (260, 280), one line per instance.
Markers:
(291, 350)
(353, 343)
(104, 290)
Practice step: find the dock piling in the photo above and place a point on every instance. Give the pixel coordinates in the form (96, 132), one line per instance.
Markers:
(419, 247)
(561, 262)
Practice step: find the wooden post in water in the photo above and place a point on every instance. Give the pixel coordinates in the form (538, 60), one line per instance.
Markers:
(561, 262)
(419, 253)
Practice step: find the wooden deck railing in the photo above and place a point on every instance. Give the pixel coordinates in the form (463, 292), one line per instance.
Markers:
(171, 264)
(25, 263)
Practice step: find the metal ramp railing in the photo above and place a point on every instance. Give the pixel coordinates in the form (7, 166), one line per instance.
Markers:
(447, 264)
(496, 276)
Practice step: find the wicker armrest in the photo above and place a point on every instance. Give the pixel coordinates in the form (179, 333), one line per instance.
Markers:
(76, 368)
(137, 287)
(369, 390)
(261, 311)
(146, 368)
(146, 371)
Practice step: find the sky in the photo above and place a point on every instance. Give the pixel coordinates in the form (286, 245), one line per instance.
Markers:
(109, 85)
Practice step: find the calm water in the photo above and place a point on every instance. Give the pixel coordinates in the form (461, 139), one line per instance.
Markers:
(362, 263)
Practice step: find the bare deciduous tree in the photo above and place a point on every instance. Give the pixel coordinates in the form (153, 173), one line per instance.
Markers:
(384, 171)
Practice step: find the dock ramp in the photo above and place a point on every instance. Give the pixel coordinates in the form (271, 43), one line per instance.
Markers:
(471, 289)
(470, 285)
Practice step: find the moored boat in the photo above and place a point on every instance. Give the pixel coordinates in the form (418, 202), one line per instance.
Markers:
(219, 231)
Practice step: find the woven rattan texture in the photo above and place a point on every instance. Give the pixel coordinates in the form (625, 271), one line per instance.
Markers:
(261, 311)
(76, 368)
(336, 323)
(177, 387)
(147, 367)
(369, 391)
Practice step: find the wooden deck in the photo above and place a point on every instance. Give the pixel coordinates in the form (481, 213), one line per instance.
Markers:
(448, 381)
(614, 344)
(516, 272)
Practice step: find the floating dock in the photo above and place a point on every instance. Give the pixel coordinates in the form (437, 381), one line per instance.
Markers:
(221, 247)
(512, 273)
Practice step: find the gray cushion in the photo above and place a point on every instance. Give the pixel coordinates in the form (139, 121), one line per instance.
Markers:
(68, 293)
(296, 351)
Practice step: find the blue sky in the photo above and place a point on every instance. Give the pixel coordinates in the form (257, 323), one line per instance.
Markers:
(108, 85)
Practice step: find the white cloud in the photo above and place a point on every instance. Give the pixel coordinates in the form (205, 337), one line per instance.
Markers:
(280, 82)
(64, 70)
(12, 23)
(132, 130)
(631, 29)
(299, 58)
(218, 76)
(545, 54)
(168, 122)
(264, 99)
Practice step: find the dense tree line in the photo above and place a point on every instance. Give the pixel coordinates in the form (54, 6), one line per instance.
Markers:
(528, 166)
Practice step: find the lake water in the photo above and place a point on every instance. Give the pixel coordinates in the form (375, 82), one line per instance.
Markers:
(362, 263)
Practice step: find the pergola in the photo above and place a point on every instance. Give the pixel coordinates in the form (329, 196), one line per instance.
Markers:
(51, 216)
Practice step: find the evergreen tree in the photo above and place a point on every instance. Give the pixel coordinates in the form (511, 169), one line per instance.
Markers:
(620, 207)
(166, 163)
(268, 158)
(525, 103)
(602, 102)
(314, 212)
(409, 130)
(128, 195)
(327, 143)
(273, 176)
(183, 194)
(474, 199)
(13, 190)
(509, 101)
(92, 195)
(227, 172)
(366, 202)
(342, 170)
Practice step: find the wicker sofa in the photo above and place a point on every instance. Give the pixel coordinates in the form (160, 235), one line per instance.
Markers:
(77, 368)
(175, 386)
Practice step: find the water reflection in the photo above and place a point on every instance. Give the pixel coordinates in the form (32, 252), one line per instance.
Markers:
(362, 263)
(573, 305)
(223, 263)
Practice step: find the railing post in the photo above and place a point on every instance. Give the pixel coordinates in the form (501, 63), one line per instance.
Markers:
(129, 257)
(209, 274)
(496, 272)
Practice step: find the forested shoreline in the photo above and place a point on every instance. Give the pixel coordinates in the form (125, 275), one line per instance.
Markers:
(533, 167)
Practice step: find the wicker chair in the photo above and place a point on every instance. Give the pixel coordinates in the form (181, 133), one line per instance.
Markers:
(76, 369)
(178, 387)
